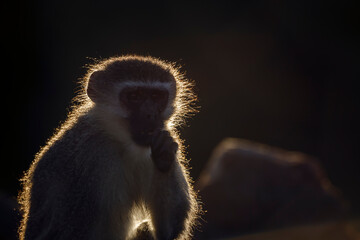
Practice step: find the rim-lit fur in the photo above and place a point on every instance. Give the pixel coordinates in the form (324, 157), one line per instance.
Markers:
(162, 74)
(184, 100)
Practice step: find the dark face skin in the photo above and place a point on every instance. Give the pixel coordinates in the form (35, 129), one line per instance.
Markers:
(145, 106)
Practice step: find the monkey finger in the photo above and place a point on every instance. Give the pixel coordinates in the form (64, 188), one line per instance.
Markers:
(160, 139)
(167, 145)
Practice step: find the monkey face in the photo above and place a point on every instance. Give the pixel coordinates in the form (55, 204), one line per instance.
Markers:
(145, 107)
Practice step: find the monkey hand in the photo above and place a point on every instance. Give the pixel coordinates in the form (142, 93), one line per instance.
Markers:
(163, 150)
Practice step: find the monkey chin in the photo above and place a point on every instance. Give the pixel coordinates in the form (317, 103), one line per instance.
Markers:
(143, 139)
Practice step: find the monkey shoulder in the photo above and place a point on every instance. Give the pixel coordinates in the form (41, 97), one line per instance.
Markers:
(70, 166)
(74, 150)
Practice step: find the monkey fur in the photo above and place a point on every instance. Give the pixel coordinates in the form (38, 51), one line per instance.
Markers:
(104, 174)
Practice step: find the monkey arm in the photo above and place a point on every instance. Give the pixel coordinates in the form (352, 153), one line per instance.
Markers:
(56, 212)
(170, 203)
(64, 204)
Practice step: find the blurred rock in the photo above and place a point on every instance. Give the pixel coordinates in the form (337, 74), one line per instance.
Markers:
(333, 230)
(248, 187)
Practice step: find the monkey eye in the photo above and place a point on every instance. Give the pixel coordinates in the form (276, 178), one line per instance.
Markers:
(132, 96)
(159, 95)
(155, 96)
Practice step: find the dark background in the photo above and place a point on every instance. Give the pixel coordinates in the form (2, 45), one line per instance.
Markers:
(283, 73)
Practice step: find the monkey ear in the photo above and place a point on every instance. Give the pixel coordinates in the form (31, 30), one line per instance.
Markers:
(92, 89)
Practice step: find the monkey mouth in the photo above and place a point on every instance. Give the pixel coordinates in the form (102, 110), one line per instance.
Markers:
(150, 133)
(143, 134)
(143, 137)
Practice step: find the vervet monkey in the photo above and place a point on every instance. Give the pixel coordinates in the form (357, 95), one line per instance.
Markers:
(115, 169)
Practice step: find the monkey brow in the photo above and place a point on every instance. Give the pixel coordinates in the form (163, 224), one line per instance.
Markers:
(154, 84)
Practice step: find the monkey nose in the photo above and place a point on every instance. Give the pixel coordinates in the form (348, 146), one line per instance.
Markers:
(149, 132)
(150, 116)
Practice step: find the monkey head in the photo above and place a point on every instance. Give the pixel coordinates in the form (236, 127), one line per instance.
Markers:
(142, 91)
